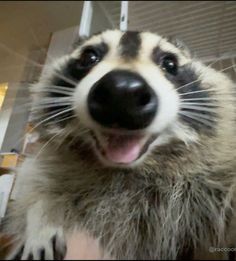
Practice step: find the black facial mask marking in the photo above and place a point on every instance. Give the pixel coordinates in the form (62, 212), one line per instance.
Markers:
(130, 44)
(71, 73)
(188, 85)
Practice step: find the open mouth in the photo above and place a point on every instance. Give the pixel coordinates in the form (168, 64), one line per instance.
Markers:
(119, 148)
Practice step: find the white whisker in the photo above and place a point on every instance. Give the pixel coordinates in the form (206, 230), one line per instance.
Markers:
(51, 106)
(214, 62)
(36, 40)
(63, 119)
(37, 116)
(216, 92)
(183, 94)
(187, 84)
(57, 91)
(205, 122)
(201, 104)
(11, 51)
(51, 89)
(227, 68)
(66, 79)
(58, 74)
(233, 62)
(48, 100)
(58, 87)
(197, 108)
(208, 99)
(53, 101)
(41, 122)
(51, 117)
(46, 144)
(198, 115)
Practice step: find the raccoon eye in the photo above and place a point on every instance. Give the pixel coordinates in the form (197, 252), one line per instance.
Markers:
(88, 58)
(169, 63)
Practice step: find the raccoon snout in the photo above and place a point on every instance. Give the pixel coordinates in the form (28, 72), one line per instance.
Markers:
(122, 99)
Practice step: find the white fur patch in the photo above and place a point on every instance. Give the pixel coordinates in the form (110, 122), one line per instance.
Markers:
(82, 91)
(168, 99)
(38, 236)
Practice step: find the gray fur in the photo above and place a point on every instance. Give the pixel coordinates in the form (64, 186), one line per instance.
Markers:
(180, 197)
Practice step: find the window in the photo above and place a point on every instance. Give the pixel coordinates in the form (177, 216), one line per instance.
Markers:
(3, 90)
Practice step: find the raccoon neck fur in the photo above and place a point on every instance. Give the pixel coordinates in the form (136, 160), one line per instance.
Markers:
(180, 201)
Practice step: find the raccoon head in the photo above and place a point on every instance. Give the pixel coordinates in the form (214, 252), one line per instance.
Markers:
(125, 94)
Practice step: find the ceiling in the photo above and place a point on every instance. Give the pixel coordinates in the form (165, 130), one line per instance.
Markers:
(207, 27)
(30, 22)
(28, 25)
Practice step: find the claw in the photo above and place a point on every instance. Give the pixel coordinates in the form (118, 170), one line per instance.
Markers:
(19, 254)
(42, 249)
(42, 254)
(30, 257)
(58, 253)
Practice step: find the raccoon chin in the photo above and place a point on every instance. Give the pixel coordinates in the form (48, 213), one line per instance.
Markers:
(121, 149)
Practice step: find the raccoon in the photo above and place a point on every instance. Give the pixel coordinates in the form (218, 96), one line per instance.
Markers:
(139, 152)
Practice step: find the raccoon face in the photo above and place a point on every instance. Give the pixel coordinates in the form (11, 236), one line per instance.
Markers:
(122, 93)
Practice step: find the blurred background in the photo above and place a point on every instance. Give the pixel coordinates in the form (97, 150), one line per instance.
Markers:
(34, 33)
(31, 30)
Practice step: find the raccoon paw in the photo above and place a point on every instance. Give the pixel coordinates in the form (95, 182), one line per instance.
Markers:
(48, 245)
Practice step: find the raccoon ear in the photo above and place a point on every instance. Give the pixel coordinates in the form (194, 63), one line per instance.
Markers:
(180, 45)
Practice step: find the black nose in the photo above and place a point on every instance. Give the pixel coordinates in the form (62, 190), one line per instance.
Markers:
(122, 99)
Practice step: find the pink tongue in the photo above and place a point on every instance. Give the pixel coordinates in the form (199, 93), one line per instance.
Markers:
(123, 149)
